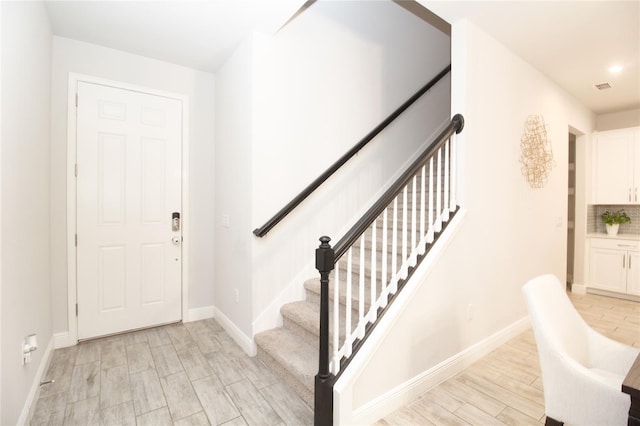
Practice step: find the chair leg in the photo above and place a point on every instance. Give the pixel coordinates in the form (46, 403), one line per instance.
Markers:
(550, 421)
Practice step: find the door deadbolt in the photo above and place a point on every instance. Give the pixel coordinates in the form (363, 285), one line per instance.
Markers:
(175, 221)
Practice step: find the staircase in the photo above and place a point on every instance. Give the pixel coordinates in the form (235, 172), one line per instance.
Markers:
(361, 274)
(292, 350)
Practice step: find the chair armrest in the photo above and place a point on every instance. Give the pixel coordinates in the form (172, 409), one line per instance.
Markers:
(610, 355)
(576, 395)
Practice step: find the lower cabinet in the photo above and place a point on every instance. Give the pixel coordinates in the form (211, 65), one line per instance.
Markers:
(615, 265)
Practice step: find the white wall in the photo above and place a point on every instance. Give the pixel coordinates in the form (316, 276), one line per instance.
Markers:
(618, 120)
(84, 58)
(1, 73)
(290, 105)
(26, 291)
(510, 233)
(321, 84)
(233, 187)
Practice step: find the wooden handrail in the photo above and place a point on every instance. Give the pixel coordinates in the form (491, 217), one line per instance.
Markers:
(291, 205)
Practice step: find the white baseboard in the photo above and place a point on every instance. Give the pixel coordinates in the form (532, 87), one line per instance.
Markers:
(410, 390)
(614, 294)
(34, 392)
(197, 314)
(578, 288)
(246, 343)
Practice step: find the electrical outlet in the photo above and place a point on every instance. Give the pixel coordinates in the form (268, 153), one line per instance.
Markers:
(237, 295)
(226, 221)
(26, 356)
(469, 312)
(559, 222)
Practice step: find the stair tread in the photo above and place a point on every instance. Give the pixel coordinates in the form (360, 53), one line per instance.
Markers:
(304, 313)
(307, 315)
(290, 351)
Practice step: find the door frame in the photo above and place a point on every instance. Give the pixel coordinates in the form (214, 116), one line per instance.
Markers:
(72, 278)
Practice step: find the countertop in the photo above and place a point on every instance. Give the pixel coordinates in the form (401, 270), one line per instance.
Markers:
(635, 237)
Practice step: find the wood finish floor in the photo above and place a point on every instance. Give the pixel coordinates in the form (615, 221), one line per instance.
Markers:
(181, 374)
(195, 374)
(505, 387)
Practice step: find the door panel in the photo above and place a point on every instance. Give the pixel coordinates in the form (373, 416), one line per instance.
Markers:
(608, 269)
(128, 186)
(112, 278)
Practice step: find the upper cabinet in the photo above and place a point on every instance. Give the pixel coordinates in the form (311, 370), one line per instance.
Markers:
(616, 167)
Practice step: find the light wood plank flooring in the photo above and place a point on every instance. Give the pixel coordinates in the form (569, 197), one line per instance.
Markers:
(505, 386)
(194, 374)
(180, 374)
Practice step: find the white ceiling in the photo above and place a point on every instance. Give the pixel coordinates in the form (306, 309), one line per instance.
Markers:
(196, 34)
(572, 42)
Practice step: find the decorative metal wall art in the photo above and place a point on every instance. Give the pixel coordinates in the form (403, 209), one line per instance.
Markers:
(536, 154)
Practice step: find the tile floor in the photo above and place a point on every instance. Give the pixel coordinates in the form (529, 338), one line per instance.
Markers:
(180, 374)
(194, 374)
(505, 387)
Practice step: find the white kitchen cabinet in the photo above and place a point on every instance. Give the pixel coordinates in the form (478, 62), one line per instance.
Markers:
(633, 273)
(616, 167)
(615, 265)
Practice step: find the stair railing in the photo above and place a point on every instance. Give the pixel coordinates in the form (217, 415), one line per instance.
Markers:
(291, 205)
(391, 238)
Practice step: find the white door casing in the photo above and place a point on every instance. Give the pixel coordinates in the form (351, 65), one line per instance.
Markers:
(130, 148)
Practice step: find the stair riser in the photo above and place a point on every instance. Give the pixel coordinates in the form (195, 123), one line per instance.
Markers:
(313, 297)
(303, 387)
(312, 337)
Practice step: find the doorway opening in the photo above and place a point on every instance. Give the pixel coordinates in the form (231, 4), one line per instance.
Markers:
(571, 210)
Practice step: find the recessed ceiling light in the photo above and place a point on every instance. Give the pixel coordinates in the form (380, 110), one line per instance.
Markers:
(615, 69)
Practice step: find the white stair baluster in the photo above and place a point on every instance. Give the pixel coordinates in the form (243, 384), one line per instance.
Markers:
(374, 272)
(452, 198)
(383, 282)
(360, 331)
(347, 324)
(422, 211)
(430, 232)
(445, 207)
(336, 319)
(438, 224)
(404, 232)
(394, 249)
(414, 220)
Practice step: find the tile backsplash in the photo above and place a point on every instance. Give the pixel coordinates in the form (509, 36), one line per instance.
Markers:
(595, 224)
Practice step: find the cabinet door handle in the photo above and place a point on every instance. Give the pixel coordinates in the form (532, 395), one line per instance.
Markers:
(629, 194)
(629, 262)
(624, 256)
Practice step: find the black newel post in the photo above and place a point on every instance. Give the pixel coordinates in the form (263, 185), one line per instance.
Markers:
(323, 409)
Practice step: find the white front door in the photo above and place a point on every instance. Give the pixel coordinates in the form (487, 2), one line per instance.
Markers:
(128, 192)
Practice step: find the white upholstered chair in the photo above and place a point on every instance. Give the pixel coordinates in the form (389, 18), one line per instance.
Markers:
(582, 370)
